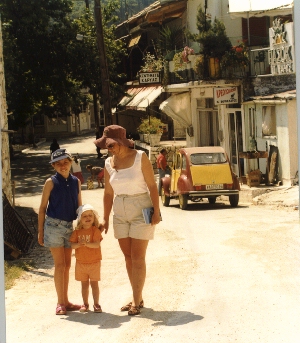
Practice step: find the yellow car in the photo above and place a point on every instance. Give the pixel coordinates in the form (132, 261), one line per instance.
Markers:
(200, 172)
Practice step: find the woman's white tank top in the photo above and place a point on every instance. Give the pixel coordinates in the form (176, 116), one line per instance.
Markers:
(130, 180)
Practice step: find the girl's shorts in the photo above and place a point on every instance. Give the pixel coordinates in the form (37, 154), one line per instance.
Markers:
(57, 233)
(128, 220)
(87, 271)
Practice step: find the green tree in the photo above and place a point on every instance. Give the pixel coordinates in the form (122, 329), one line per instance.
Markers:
(86, 64)
(36, 36)
(45, 66)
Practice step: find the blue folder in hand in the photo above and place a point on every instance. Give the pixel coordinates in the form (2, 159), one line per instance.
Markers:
(148, 213)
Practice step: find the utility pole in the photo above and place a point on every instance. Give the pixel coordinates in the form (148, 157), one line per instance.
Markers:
(103, 65)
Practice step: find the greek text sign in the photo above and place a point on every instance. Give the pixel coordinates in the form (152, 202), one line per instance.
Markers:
(226, 95)
(153, 77)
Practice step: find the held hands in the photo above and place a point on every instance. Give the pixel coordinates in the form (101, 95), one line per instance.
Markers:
(103, 226)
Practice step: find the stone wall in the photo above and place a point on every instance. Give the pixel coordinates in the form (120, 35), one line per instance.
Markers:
(266, 85)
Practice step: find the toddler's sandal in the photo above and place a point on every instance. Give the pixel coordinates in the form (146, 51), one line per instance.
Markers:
(97, 308)
(84, 308)
(60, 309)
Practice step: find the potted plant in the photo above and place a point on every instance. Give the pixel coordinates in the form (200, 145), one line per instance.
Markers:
(236, 57)
(187, 54)
(151, 63)
(153, 127)
(214, 41)
(199, 66)
(181, 58)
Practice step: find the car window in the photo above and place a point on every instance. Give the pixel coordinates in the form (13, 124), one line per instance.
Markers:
(206, 158)
(183, 162)
(178, 160)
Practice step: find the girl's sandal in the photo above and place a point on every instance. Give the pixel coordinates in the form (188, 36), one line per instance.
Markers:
(134, 310)
(129, 305)
(60, 309)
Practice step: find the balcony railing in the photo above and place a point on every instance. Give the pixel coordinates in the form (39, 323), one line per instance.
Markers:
(264, 61)
(259, 62)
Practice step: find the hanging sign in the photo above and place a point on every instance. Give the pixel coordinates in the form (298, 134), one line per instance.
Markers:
(226, 95)
(153, 77)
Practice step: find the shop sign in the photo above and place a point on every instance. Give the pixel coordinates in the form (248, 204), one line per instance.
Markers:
(153, 77)
(226, 95)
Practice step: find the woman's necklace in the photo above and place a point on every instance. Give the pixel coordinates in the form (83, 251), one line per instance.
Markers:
(115, 163)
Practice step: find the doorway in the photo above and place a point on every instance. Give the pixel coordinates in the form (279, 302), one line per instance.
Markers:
(235, 138)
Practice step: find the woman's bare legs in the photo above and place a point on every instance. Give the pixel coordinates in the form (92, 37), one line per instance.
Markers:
(62, 264)
(134, 251)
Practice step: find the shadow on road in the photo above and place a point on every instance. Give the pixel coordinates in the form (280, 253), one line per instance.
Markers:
(30, 171)
(112, 321)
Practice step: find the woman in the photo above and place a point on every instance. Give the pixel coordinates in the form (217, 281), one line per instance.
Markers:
(129, 188)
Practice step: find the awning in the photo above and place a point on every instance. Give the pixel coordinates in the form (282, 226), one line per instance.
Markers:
(144, 98)
(259, 8)
(277, 98)
(131, 92)
(178, 107)
(134, 41)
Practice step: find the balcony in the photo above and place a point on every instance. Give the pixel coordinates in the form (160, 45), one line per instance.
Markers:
(263, 61)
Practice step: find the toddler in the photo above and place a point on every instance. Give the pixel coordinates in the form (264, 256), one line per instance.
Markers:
(96, 172)
(86, 239)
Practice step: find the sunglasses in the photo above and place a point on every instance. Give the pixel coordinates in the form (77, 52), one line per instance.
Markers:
(60, 152)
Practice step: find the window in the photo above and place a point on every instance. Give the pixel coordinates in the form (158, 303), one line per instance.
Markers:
(183, 162)
(208, 158)
(268, 121)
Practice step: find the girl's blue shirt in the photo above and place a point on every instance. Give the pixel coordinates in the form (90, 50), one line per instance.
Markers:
(63, 200)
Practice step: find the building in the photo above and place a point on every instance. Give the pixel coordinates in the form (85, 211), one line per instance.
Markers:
(243, 109)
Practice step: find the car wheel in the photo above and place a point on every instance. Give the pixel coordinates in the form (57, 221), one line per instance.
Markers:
(234, 200)
(212, 200)
(164, 198)
(183, 201)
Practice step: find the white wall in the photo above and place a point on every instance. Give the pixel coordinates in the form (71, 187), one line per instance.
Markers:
(219, 9)
(286, 140)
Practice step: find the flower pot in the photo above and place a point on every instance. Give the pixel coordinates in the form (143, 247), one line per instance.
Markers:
(171, 66)
(146, 138)
(214, 67)
(154, 138)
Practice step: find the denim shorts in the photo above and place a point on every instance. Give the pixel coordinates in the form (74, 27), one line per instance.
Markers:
(57, 233)
(128, 220)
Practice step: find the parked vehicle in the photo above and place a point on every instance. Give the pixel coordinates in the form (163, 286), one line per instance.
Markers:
(197, 173)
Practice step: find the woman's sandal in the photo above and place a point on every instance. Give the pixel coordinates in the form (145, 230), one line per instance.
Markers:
(84, 308)
(60, 309)
(72, 307)
(97, 308)
(134, 310)
(129, 305)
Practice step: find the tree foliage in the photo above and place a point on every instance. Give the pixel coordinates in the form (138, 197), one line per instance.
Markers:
(212, 36)
(45, 66)
(35, 43)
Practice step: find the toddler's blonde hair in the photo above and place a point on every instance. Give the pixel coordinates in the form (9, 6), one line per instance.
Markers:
(95, 223)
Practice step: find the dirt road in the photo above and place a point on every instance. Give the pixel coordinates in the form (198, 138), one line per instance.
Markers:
(215, 275)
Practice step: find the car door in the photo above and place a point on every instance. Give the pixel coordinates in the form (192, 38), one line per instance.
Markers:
(176, 171)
